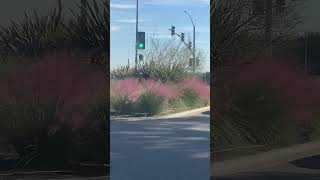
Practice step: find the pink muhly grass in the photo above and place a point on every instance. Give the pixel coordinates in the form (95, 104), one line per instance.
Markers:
(287, 82)
(59, 79)
(198, 86)
(130, 87)
(161, 89)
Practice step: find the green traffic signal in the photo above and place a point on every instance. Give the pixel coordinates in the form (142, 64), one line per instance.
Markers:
(141, 40)
(141, 46)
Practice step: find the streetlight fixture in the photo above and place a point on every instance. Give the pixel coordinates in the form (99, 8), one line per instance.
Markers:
(194, 41)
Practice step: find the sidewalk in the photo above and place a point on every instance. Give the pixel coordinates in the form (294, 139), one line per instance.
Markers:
(265, 160)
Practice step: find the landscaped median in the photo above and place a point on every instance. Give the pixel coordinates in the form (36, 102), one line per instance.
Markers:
(134, 96)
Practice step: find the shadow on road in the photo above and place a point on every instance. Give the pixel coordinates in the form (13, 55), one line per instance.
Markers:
(170, 149)
(206, 113)
(312, 162)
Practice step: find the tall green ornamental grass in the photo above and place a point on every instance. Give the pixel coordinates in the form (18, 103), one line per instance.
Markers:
(190, 98)
(150, 103)
(36, 34)
(87, 29)
(121, 104)
(88, 141)
(199, 87)
(32, 35)
(247, 115)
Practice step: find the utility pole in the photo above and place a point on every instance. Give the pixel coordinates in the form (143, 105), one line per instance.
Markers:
(194, 43)
(268, 29)
(136, 46)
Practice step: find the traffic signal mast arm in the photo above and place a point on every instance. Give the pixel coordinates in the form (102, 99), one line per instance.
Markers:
(183, 41)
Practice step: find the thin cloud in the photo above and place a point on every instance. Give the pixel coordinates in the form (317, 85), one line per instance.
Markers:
(200, 29)
(158, 35)
(185, 29)
(177, 2)
(122, 6)
(114, 28)
(133, 20)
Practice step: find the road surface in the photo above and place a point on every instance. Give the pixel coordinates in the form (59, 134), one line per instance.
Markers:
(292, 163)
(162, 149)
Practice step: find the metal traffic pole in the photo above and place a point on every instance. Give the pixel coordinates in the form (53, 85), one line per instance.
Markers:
(194, 42)
(136, 46)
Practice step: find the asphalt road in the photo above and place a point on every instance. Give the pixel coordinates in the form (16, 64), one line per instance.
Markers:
(293, 163)
(163, 149)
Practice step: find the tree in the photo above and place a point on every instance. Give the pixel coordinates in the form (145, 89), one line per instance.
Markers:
(171, 52)
(238, 27)
(163, 60)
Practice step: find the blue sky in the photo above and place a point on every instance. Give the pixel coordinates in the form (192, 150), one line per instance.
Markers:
(155, 18)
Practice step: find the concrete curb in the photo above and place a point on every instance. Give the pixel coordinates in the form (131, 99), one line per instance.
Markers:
(263, 161)
(176, 115)
(86, 178)
(187, 113)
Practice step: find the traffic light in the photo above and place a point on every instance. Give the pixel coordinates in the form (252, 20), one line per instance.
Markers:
(280, 6)
(190, 62)
(281, 2)
(197, 61)
(173, 30)
(141, 40)
(190, 45)
(182, 37)
(258, 7)
(140, 57)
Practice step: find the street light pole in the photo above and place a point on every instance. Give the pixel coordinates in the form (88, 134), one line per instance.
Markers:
(136, 46)
(194, 42)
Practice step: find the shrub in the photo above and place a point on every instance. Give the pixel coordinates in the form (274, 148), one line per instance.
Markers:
(177, 103)
(34, 35)
(90, 141)
(34, 130)
(191, 98)
(165, 91)
(199, 87)
(248, 114)
(87, 31)
(264, 116)
(165, 61)
(45, 107)
(127, 93)
(122, 72)
(159, 71)
(150, 103)
(121, 104)
(227, 132)
(129, 88)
